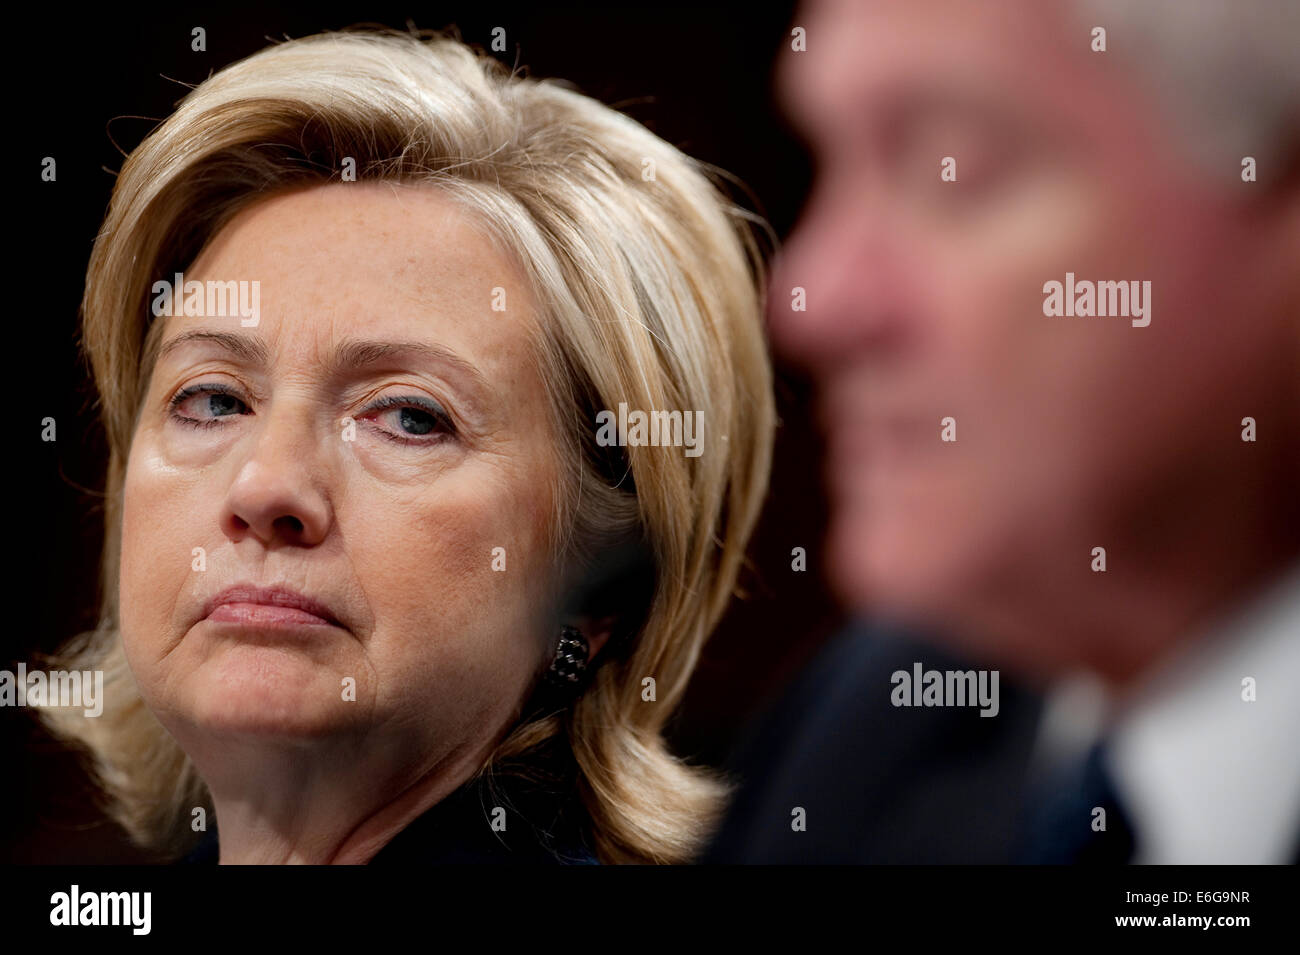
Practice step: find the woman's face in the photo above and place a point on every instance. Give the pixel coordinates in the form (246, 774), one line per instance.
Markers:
(368, 445)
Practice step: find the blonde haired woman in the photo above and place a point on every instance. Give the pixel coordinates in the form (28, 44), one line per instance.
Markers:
(379, 586)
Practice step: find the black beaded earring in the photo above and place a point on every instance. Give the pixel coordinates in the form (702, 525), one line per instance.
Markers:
(570, 661)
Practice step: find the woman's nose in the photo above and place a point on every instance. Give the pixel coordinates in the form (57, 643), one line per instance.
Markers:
(277, 495)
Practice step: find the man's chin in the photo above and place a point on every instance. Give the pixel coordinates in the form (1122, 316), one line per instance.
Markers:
(883, 569)
(940, 598)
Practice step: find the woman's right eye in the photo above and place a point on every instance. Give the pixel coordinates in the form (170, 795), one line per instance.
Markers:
(201, 406)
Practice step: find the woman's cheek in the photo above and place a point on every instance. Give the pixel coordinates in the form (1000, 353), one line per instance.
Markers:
(158, 541)
(396, 471)
(455, 568)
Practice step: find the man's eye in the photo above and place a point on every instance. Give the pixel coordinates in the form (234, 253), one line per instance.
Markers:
(954, 161)
(201, 405)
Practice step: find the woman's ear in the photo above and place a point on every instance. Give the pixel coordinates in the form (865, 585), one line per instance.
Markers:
(616, 592)
(597, 631)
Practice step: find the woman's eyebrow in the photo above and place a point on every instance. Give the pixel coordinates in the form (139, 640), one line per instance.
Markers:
(350, 355)
(354, 354)
(249, 350)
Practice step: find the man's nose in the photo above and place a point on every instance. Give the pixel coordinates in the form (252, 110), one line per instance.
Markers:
(837, 286)
(277, 494)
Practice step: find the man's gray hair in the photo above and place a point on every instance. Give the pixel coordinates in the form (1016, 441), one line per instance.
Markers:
(1227, 70)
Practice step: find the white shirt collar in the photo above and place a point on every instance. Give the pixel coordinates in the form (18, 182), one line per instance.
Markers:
(1206, 776)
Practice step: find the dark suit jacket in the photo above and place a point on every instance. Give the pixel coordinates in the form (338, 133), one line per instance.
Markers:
(881, 783)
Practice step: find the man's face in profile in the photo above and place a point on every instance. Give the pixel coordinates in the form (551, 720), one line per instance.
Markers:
(925, 302)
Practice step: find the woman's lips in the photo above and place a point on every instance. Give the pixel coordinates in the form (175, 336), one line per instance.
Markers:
(265, 615)
(264, 607)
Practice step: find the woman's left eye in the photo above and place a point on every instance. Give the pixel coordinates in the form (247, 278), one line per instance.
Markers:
(205, 404)
(412, 420)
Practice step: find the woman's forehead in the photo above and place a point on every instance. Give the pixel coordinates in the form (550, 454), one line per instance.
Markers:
(412, 240)
(400, 269)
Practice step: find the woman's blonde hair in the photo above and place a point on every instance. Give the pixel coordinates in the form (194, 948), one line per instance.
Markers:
(648, 280)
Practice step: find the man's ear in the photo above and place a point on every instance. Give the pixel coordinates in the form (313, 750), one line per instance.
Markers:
(1281, 185)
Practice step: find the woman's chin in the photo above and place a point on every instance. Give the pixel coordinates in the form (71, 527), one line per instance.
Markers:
(270, 697)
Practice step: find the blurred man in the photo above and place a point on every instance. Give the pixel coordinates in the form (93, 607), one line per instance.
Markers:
(1048, 282)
